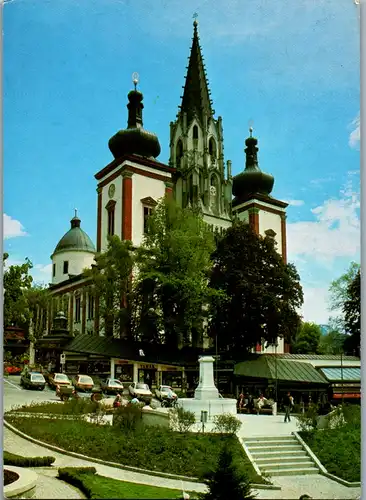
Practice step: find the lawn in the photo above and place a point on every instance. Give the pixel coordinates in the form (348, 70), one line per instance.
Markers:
(339, 449)
(95, 486)
(152, 448)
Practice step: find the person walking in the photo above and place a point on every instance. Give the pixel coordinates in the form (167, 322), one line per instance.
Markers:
(288, 403)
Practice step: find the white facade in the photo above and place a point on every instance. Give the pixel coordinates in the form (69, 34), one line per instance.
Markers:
(144, 185)
(269, 220)
(77, 261)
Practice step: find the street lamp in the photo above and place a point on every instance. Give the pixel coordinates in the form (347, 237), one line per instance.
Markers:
(342, 376)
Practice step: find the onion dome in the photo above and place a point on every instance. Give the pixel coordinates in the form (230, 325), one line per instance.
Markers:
(75, 240)
(135, 139)
(252, 181)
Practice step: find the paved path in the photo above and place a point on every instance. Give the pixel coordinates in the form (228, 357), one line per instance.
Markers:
(48, 486)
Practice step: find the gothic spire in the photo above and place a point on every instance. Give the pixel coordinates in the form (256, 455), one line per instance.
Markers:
(196, 95)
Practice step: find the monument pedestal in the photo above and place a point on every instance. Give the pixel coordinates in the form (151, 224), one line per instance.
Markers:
(206, 396)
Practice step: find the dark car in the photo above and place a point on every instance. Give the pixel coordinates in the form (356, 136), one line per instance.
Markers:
(33, 380)
(111, 386)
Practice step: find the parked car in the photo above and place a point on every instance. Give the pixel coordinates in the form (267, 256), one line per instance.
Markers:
(140, 391)
(33, 380)
(58, 379)
(111, 386)
(83, 383)
(165, 391)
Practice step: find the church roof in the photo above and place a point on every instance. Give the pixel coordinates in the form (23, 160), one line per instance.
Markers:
(134, 139)
(196, 95)
(75, 240)
(252, 180)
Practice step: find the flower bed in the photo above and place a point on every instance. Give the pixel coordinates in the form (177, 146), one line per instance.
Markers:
(152, 448)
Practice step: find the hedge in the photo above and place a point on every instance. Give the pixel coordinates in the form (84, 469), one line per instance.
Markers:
(19, 461)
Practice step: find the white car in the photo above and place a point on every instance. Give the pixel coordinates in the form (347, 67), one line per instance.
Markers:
(164, 391)
(140, 391)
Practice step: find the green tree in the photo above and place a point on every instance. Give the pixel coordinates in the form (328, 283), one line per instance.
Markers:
(262, 292)
(226, 482)
(338, 292)
(332, 342)
(352, 315)
(38, 299)
(307, 339)
(111, 285)
(17, 281)
(172, 279)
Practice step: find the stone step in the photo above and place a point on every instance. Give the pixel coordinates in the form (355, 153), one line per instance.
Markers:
(278, 448)
(294, 472)
(267, 438)
(304, 464)
(262, 462)
(259, 455)
(271, 442)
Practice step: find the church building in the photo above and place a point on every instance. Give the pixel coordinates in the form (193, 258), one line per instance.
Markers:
(130, 186)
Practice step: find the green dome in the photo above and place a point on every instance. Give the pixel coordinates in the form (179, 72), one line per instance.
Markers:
(75, 240)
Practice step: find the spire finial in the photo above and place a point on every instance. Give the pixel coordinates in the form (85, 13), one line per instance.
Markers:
(250, 131)
(195, 22)
(135, 79)
(76, 212)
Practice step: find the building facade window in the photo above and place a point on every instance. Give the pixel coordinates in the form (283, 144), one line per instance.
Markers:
(54, 270)
(77, 309)
(110, 207)
(147, 212)
(66, 266)
(91, 307)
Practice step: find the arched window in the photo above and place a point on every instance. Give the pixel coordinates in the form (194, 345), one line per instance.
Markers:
(212, 148)
(195, 133)
(179, 152)
(213, 180)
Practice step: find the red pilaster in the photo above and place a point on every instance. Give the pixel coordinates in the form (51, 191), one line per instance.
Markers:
(168, 189)
(284, 238)
(258, 347)
(127, 206)
(99, 220)
(254, 219)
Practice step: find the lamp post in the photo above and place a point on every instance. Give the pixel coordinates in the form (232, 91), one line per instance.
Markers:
(217, 364)
(276, 380)
(342, 376)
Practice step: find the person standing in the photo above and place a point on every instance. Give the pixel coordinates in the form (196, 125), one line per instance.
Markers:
(288, 403)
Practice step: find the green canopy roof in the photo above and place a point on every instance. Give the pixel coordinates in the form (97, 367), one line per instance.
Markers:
(264, 366)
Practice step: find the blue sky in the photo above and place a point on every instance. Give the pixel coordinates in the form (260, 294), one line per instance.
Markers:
(292, 68)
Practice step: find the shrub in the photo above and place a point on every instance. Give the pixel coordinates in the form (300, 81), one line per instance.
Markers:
(308, 421)
(181, 420)
(19, 461)
(226, 423)
(128, 418)
(225, 481)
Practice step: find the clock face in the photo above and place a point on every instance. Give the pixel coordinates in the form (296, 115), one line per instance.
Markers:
(111, 190)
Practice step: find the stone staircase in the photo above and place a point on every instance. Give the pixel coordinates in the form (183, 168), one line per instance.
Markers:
(280, 456)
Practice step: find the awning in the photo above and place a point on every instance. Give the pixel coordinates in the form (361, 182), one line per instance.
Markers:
(345, 374)
(270, 367)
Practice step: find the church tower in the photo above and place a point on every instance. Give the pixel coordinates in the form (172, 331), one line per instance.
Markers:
(132, 184)
(254, 204)
(197, 148)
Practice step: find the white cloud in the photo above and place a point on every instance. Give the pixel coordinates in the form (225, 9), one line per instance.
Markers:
(12, 228)
(315, 307)
(355, 135)
(295, 203)
(42, 273)
(335, 232)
